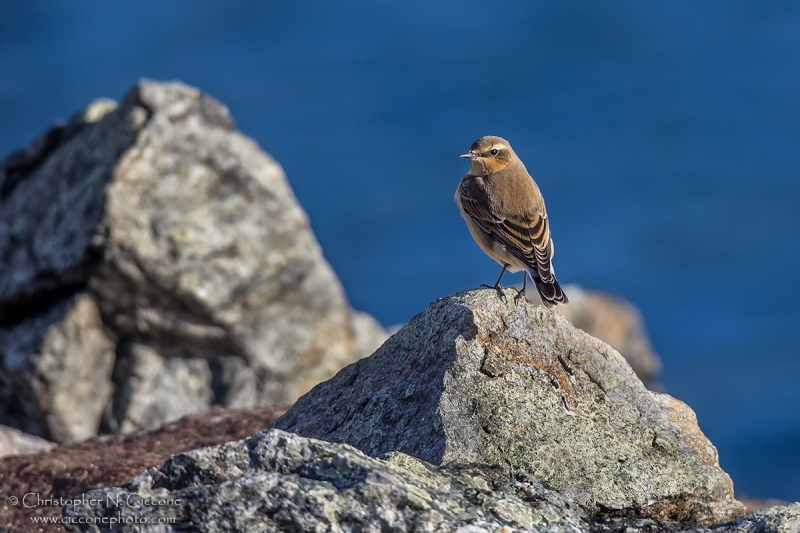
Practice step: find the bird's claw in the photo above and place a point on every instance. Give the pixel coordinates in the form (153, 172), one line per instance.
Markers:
(520, 294)
(498, 288)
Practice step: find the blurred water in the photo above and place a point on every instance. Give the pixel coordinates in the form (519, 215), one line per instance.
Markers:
(664, 136)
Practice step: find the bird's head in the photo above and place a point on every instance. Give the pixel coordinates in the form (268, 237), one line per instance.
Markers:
(490, 154)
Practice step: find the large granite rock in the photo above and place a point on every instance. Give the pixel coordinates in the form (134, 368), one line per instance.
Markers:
(277, 481)
(155, 262)
(482, 379)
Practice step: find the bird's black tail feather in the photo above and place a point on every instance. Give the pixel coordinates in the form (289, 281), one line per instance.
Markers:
(552, 294)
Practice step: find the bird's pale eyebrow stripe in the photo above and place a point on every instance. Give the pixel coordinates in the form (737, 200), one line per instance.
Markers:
(499, 146)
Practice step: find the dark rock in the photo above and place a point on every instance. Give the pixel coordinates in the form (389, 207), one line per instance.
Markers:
(480, 379)
(278, 481)
(51, 209)
(183, 244)
(782, 519)
(57, 368)
(109, 460)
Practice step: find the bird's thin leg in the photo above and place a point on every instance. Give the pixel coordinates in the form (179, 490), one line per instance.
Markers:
(497, 284)
(521, 294)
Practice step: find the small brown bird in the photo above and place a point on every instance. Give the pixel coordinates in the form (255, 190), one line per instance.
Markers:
(505, 214)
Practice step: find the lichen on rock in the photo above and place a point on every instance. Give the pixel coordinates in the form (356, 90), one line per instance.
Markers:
(278, 481)
(482, 379)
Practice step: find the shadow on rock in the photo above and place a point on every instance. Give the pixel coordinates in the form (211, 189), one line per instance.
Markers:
(381, 403)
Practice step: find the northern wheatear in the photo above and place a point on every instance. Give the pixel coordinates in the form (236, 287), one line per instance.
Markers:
(505, 214)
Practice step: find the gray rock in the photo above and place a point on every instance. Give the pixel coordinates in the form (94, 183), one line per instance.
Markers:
(779, 519)
(616, 322)
(187, 238)
(15, 442)
(155, 387)
(277, 481)
(57, 368)
(480, 379)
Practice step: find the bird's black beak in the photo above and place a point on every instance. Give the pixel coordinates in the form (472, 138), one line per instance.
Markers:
(468, 155)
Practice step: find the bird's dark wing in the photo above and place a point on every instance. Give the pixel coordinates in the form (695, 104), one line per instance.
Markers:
(525, 236)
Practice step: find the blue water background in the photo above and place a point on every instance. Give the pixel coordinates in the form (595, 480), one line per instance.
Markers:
(664, 135)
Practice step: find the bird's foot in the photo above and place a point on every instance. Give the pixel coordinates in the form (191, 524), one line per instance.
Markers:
(520, 295)
(498, 288)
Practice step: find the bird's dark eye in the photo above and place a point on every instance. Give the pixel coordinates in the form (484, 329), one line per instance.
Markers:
(495, 151)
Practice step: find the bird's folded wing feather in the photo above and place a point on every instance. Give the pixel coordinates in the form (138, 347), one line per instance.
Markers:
(525, 236)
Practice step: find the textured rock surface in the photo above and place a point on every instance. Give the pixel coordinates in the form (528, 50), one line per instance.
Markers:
(15, 442)
(278, 481)
(480, 379)
(781, 519)
(616, 322)
(152, 250)
(110, 460)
